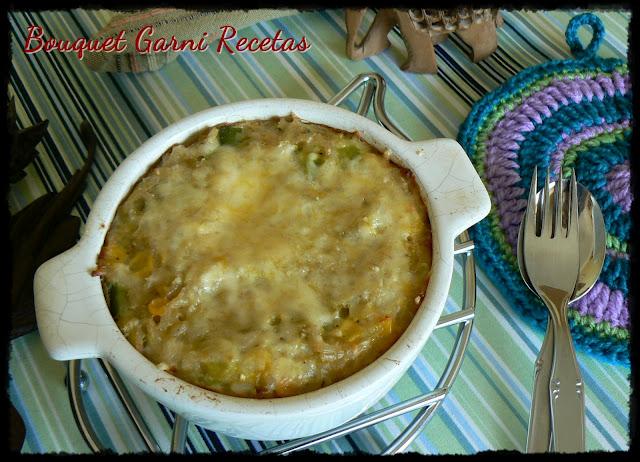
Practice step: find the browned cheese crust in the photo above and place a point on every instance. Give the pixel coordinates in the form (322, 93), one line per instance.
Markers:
(267, 258)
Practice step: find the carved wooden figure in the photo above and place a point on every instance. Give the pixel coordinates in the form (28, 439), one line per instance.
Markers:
(421, 30)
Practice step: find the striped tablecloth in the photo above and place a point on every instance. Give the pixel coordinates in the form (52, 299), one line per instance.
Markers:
(488, 406)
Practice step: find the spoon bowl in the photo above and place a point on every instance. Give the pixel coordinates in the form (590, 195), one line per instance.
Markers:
(592, 237)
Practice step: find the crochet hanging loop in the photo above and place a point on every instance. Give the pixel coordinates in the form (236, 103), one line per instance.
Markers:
(571, 35)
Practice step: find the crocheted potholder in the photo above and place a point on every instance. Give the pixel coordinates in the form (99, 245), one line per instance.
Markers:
(562, 114)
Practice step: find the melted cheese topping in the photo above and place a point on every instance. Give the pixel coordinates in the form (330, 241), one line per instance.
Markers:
(268, 258)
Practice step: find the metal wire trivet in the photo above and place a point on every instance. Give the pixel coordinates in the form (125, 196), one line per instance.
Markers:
(426, 404)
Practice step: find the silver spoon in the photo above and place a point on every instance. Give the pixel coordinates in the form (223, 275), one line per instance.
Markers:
(592, 237)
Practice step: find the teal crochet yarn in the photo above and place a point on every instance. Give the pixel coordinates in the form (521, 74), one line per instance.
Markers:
(560, 114)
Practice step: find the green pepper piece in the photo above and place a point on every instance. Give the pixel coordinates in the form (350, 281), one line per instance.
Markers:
(230, 135)
(117, 298)
(317, 159)
(313, 160)
(349, 152)
(309, 160)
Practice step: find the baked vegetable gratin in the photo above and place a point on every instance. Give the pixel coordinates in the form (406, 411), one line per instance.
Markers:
(267, 258)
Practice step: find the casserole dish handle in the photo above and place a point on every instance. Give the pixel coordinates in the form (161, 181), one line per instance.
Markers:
(457, 195)
(70, 306)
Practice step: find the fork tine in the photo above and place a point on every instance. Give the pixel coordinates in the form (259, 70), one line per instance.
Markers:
(573, 206)
(558, 228)
(530, 214)
(547, 210)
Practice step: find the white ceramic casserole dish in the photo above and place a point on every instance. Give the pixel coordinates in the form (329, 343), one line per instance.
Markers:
(74, 320)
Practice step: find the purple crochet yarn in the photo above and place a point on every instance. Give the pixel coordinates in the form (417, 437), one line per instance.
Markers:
(618, 185)
(615, 254)
(559, 93)
(502, 144)
(570, 140)
(604, 304)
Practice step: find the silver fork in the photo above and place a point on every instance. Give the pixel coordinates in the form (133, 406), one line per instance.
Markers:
(551, 256)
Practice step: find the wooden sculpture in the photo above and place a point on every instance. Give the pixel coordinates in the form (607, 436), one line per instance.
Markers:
(421, 30)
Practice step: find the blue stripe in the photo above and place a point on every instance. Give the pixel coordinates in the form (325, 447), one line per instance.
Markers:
(310, 86)
(132, 111)
(503, 57)
(601, 428)
(496, 56)
(50, 148)
(504, 374)
(251, 447)
(220, 98)
(314, 64)
(205, 438)
(392, 86)
(375, 436)
(492, 72)
(256, 67)
(506, 400)
(415, 373)
(240, 64)
(176, 94)
(407, 418)
(513, 322)
(209, 93)
(451, 84)
(170, 418)
(354, 447)
(525, 40)
(55, 60)
(21, 95)
(609, 404)
(553, 44)
(30, 436)
(585, 371)
(457, 69)
(159, 121)
(81, 110)
(211, 440)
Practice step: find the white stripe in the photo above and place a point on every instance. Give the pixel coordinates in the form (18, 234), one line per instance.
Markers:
(421, 101)
(153, 416)
(614, 377)
(452, 403)
(98, 85)
(210, 81)
(252, 62)
(118, 428)
(32, 378)
(505, 323)
(320, 86)
(604, 420)
(486, 409)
